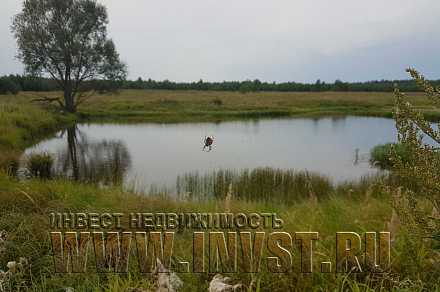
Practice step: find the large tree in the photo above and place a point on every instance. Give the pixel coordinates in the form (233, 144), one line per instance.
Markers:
(67, 40)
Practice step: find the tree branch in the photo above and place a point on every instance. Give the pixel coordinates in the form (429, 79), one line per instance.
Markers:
(48, 100)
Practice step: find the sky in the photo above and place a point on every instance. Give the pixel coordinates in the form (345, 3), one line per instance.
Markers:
(270, 40)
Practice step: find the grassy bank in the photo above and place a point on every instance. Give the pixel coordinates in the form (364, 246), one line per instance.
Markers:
(23, 123)
(172, 106)
(181, 106)
(356, 207)
(206, 105)
(24, 216)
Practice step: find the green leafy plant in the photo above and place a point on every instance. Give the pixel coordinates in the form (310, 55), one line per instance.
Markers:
(381, 155)
(418, 200)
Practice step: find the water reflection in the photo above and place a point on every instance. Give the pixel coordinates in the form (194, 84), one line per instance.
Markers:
(146, 156)
(104, 161)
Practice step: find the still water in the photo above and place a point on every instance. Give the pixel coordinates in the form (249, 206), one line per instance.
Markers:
(146, 155)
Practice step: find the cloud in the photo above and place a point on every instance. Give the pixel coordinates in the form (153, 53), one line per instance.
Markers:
(271, 40)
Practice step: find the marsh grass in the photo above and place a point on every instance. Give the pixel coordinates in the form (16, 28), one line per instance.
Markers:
(40, 165)
(259, 185)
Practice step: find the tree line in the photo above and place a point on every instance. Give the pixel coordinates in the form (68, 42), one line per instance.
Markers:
(257, 85)
(16, 83)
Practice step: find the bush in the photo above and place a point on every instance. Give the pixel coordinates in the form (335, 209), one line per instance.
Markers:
(168, 102)
(40, 165)
(8, 86)
(381, 155)
(217, 101)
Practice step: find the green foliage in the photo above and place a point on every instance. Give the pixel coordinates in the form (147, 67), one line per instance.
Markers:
(418, 201)
(7, 85)
(27, 83)
(40, 165)
(68, 41)
(21, 124)
(32, 83)
(260, 184)
(256, 85)
(381, 155)
(341, 86)
(246, 86)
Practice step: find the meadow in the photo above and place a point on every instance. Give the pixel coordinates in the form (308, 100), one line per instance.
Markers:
(181, 106)
(359, 207)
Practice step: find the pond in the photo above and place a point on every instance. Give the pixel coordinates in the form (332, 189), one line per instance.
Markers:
(152, 156)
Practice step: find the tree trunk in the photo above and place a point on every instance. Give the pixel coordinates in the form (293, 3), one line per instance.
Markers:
(69, 100)
(71, 143)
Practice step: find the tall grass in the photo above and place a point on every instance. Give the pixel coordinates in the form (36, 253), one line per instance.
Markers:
(258, 185)
(40, 165)
(26, 222)
(21, 124)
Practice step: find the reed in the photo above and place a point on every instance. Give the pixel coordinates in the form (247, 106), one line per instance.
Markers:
(258, 185)
(40, 165)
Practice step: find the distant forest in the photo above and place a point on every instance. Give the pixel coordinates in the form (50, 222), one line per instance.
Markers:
(16, 83)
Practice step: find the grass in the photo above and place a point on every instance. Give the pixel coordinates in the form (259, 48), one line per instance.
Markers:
(22, 123)
(40, 165)
(257, 185)
(358, 207)
(183, 106)
(25, 208)
(207, 105)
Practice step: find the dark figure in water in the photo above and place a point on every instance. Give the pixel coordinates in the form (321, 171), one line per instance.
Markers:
(208, 143)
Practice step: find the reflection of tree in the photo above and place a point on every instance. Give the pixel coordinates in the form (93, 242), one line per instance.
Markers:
(104, 162)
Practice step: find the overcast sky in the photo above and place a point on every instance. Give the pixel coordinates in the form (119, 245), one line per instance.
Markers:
(272, 40)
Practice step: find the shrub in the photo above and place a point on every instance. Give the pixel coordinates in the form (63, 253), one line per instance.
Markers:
(8, 86)
(418, 201)
(40, 165)
(381, 155)
(217, 101)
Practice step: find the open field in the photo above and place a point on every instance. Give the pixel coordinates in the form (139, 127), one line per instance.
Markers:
(180, 106)
(206, 105)
(359, 207)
